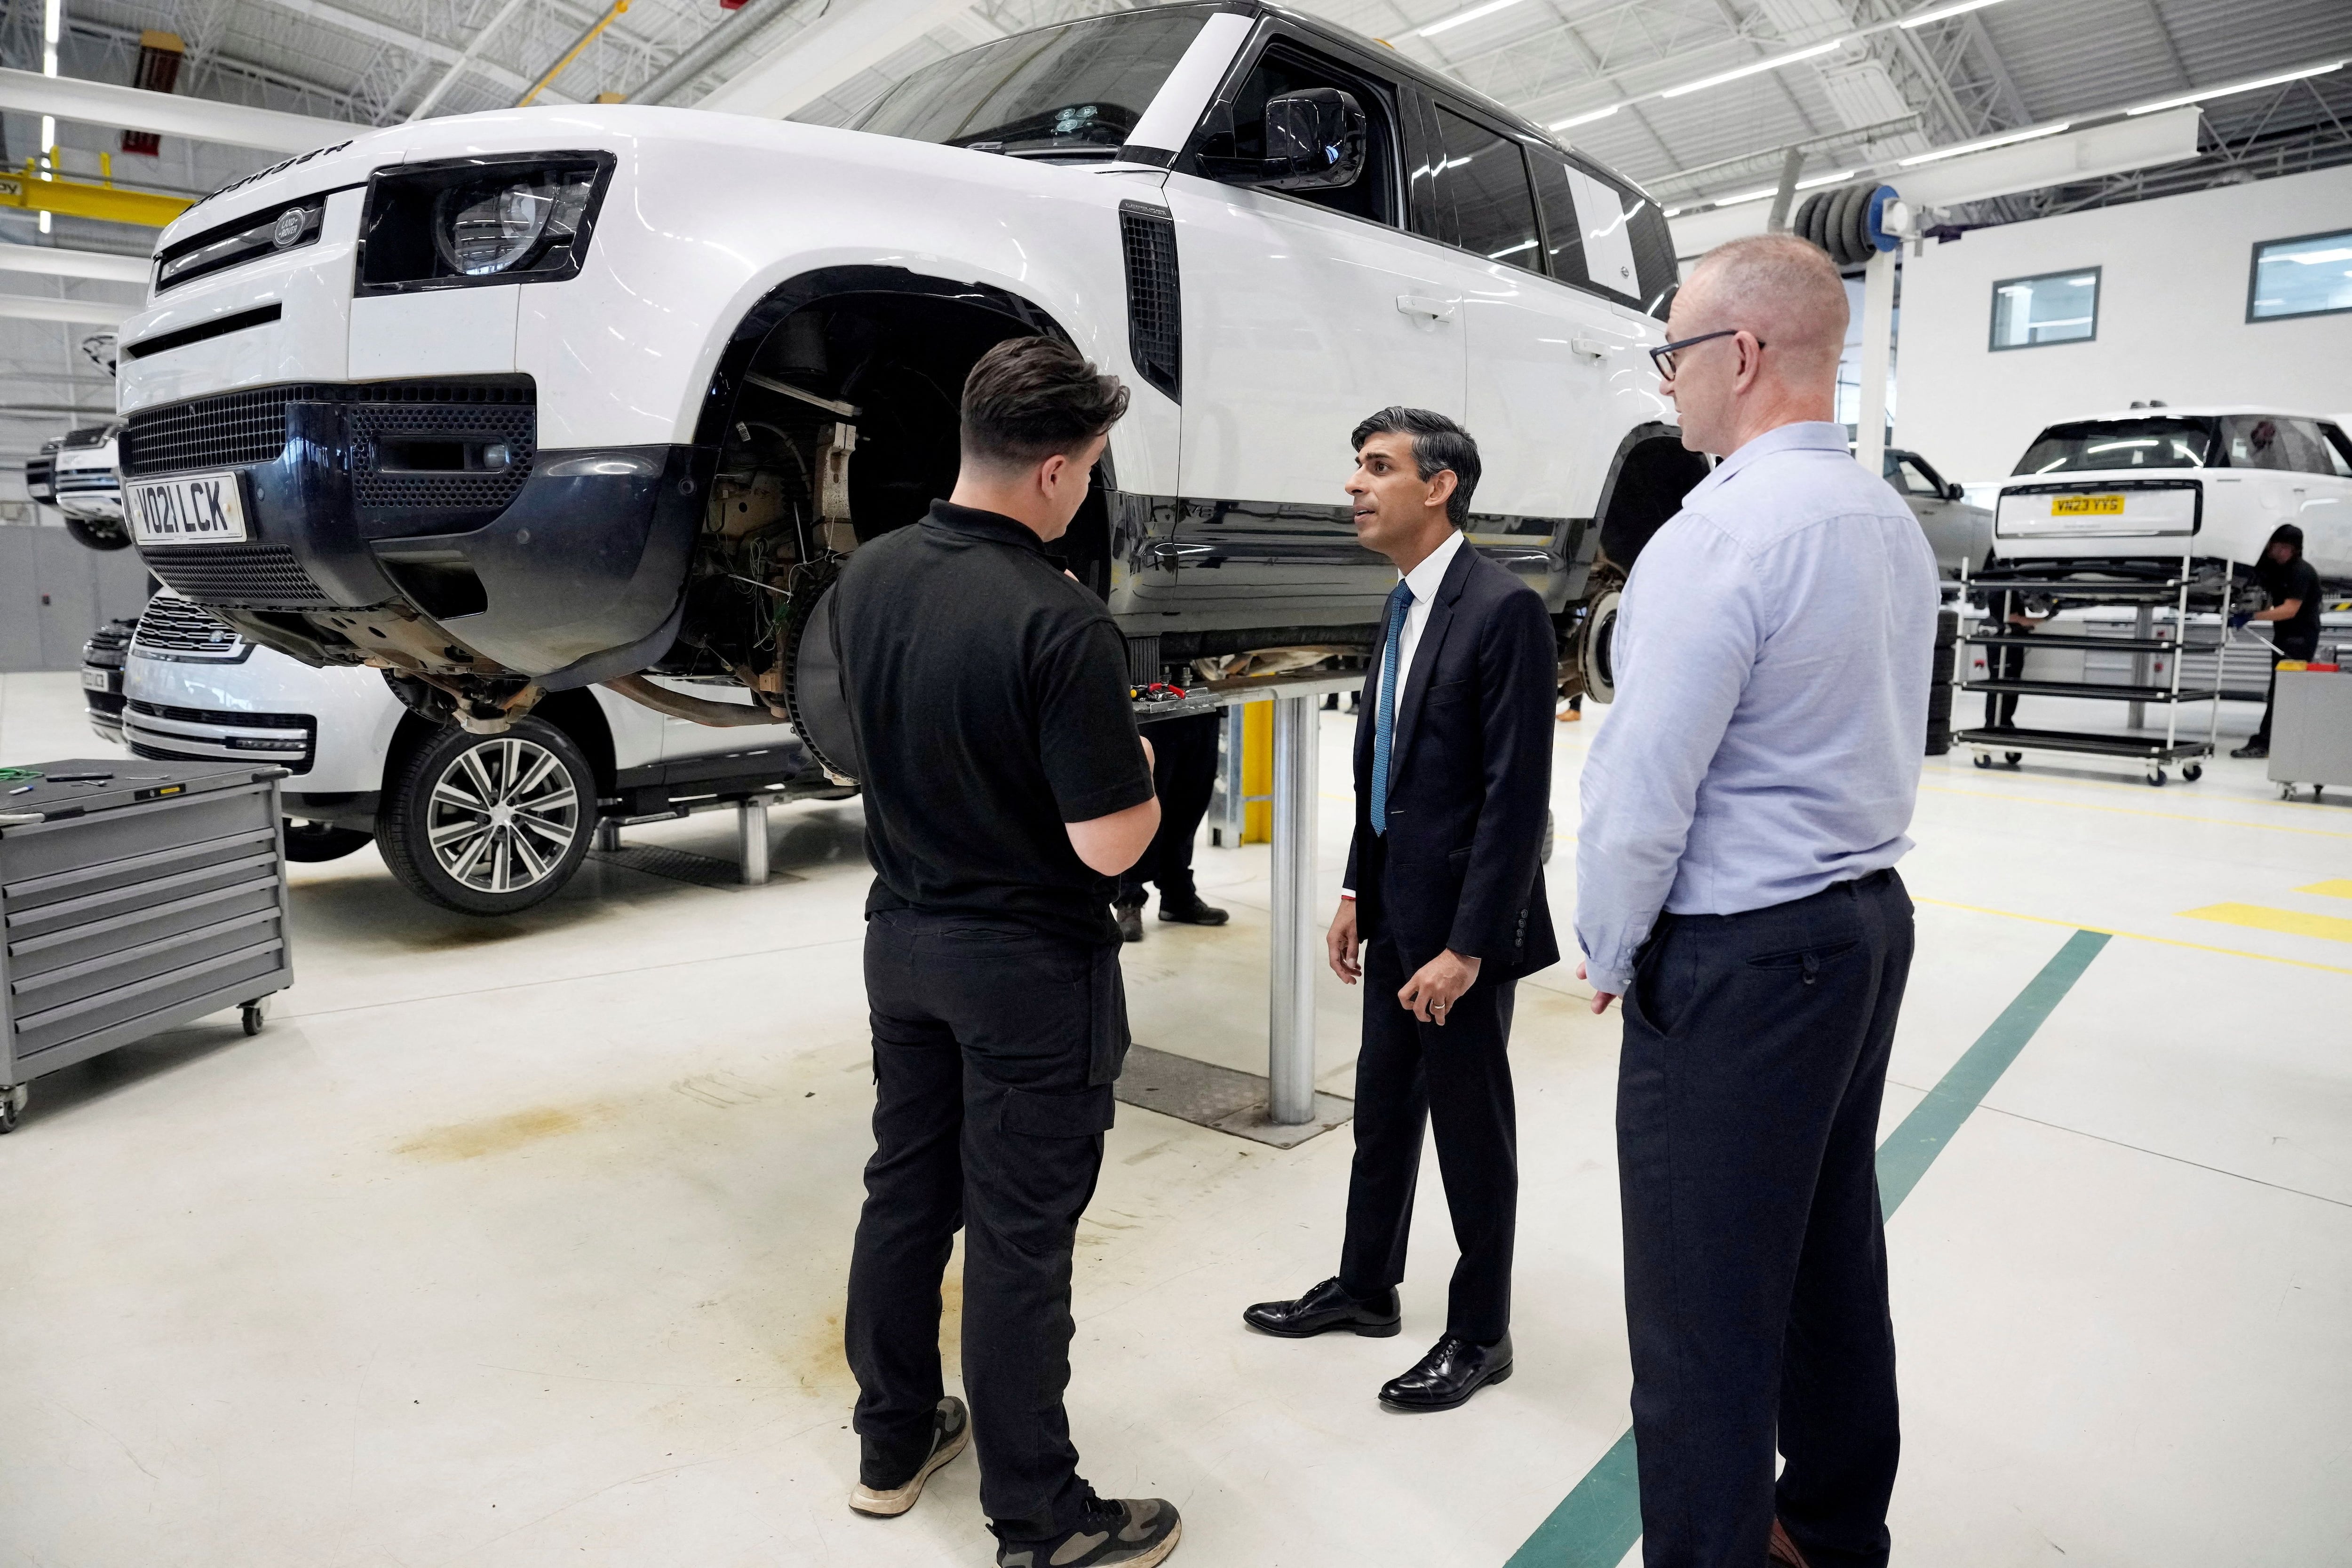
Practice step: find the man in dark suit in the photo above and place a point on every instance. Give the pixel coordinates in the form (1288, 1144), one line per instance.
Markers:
(1445, 898)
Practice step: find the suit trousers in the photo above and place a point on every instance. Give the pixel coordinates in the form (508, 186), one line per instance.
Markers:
(1411, 1076)
(994, 1050)
(1754, 1059)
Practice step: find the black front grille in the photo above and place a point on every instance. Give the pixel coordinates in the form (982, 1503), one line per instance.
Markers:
(243, 577)
(232, 430)
(1155, 318)
(224, 432)
(175, 626)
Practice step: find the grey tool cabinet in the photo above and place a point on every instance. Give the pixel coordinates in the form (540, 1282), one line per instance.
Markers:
(135, 896)
(2311, 731)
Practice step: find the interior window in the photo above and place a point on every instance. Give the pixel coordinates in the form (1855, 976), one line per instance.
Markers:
(1494, 208)
(1239, 129)
(2262, 441)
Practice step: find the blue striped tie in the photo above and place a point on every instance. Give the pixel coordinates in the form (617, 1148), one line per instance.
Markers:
(1384, 707)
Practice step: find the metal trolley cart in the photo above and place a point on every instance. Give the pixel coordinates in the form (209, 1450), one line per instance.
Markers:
(134, 896)
(2145, 585)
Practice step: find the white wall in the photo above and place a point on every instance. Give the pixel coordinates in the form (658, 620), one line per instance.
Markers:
(2172, 309)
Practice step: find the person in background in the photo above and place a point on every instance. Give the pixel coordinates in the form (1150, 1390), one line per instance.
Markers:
(2008, 658)
(2292, 588)
(1005, 787)
(1444, 900)
(1743, 808)
(1184, 771)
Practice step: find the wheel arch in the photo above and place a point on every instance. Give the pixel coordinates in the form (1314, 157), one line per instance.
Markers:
(1648, 477)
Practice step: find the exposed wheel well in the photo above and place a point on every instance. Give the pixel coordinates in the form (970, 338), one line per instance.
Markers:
(1652, 473)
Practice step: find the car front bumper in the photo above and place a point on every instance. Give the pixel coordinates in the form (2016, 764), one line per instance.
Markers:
(565, 566)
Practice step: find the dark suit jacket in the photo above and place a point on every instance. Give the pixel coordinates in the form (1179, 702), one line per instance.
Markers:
(1469, 781)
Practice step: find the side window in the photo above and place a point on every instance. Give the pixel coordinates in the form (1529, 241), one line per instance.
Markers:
(1913, 479)
(1237, 129)
(1494, 208)
(2340, 451)
(2288, 445)
(1563, 234)
(1609, 263)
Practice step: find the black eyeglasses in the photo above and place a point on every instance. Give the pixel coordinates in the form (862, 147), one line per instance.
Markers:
(1663, 356)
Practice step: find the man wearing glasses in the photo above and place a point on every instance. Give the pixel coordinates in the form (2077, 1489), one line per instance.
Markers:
(1743, 808)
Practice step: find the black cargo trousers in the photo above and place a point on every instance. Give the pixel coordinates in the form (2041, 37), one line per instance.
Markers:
(996, 1047)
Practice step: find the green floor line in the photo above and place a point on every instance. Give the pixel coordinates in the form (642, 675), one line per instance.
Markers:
(1598, 1523)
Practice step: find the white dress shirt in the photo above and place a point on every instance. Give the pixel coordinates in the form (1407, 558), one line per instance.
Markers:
(1424, 581)
(1771, 656)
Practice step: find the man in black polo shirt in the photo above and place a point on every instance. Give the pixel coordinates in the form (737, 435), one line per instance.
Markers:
(2292, 588)
(1006, 788)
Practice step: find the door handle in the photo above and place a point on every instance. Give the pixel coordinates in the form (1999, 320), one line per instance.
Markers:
(1425, 305)
(1587, 349)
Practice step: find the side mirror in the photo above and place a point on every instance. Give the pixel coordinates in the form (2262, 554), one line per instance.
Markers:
(1954, 493)
(1315, 141)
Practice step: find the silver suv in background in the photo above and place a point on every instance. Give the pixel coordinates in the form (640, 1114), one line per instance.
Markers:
(485, 825)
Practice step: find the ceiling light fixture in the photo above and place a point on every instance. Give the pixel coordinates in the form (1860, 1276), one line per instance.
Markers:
(1772, 63)
(2203, 94)
(1940, 12)
(1585, 119)
(1987, 144)
(1459, 17)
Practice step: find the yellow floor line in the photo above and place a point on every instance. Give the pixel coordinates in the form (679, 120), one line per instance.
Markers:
(2337, 888)
(2135, 935)
(2292, 921)
(2137, 812)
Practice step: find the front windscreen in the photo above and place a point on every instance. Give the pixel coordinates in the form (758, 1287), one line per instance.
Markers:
(1065, 92)
(2110, 443)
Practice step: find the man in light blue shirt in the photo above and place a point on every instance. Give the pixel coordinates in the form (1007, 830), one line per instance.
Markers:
(1743, 808)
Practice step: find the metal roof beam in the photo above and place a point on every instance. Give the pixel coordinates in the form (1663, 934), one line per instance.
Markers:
(167, 114)
(433, 50)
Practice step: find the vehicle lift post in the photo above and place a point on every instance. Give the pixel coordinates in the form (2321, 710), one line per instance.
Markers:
(1297, 935)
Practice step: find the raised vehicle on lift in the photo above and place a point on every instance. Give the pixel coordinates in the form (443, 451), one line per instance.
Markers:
(485, 825)
(513, 403)
(84, 484)
(2160, 483)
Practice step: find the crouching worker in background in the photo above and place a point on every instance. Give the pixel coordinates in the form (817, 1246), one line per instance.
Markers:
(1445, 898)
(1005, 787)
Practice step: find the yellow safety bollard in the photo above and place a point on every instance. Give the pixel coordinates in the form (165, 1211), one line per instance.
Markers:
(1257, 773)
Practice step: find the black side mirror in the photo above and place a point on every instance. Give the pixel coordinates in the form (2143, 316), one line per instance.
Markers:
(1954, 493)
(1315, 141)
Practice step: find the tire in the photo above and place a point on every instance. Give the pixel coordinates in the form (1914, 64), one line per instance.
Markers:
(308, 843)
(1596, 657)
(514, 814)
(98, 533)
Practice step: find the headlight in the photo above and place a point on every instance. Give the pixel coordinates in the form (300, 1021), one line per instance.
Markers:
(473, 221)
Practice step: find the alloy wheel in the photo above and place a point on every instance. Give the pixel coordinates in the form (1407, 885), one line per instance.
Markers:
(503, 814)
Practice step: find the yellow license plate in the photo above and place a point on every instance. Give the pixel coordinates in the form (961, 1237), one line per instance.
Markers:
(2086, 506)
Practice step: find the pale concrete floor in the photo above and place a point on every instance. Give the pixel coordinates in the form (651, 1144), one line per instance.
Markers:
(517, 1243)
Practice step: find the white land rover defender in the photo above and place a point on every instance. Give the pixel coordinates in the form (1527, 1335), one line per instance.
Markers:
(509, 404)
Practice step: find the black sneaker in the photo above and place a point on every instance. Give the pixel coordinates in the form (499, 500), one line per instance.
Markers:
(1192, 912)
(1130, 921)
(950, 1431)
(2253, 748)
(1130, 1531)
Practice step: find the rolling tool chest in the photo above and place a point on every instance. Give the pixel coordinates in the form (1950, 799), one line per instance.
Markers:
(135, 896)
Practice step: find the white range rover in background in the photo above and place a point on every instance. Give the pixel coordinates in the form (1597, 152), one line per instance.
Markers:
(512, 404)
(2153, 484)
(480, 823)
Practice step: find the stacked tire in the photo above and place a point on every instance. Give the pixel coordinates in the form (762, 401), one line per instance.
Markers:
(1845, 221)
(1939, 683)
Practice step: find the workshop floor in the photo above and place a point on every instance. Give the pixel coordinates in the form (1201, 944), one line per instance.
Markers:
(520, 1243)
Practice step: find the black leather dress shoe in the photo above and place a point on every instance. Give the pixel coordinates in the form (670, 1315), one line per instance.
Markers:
(1130, 921)
(1454, 1369)
(1192, 913)
(1326, 1307)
